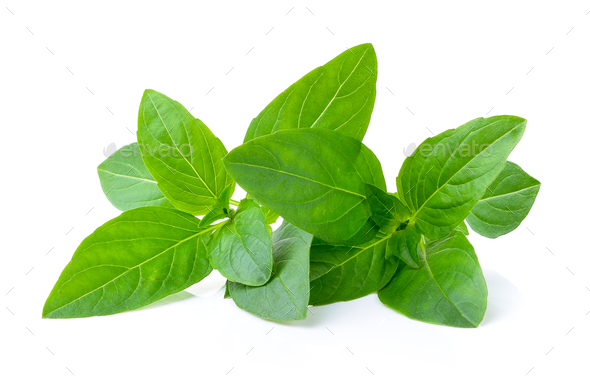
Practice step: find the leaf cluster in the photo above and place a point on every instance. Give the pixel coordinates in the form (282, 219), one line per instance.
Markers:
(344, 233)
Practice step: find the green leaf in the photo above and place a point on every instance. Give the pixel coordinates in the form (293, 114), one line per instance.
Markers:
(387, 210)
(286, 295)
(221, 208)
(216, 213)
(139, 257)
(226, 294)
(423, 150)
(449, 289)
(505, 204)
(242, 248)
(126, 181)
(462, 227)
(448, 174)
(182, 154)
(224, 196)
(368, 231)
(404, 245)
(314, 178)
(343, 273)
(270, 215)
(338, 96)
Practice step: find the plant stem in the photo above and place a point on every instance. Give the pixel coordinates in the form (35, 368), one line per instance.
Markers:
(233, 202)
(213, 227)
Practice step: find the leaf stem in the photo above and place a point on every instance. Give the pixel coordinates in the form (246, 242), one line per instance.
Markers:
(234, 202)
(212, 227)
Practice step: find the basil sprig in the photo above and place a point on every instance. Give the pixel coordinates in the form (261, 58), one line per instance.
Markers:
(344, 233)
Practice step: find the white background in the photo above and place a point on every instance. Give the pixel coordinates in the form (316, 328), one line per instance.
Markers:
(71, 80)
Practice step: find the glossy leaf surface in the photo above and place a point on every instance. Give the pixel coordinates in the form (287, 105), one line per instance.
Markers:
(505, 204)
(342, 273)
(404, 245)
(242, 248)
(126, 181)
(314, 178)
(181, 153)
(387, 210)
(448, 174)
(462, 227)
(286, 295)
(449, 289)
(139, 257)
(338, 96)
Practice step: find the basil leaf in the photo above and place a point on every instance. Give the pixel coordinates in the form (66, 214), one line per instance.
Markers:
(505, 204)
(338, 96)
(181, 153)
(137, 258)
(242, 248)
(126, 181)
(448, 174)
(221, 208)
(462, 227)
(411, 172)
(286, 295)
(404, 245)
(269, 214)
(449, 289)
(314, 178)
(368, 231)
(387, 210)
(226, 294)
(224, 196)
(342, 273)
(215, 214)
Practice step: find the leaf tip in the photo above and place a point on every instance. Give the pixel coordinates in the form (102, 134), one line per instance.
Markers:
(150, 92)
(49, 310)
(517, 120)
(363, 47)
(46, 313)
